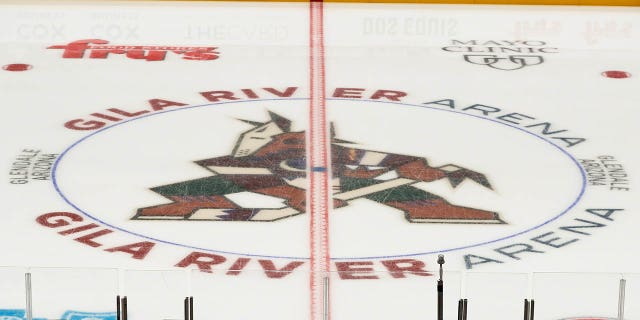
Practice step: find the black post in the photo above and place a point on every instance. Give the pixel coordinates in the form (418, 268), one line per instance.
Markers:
(440, 301)
(124, 308)
(526, 309)
(190, 308)
(460, 309)
(118, 315)
(186, 308)
(464, 309)
(440, 290)
(532, 305)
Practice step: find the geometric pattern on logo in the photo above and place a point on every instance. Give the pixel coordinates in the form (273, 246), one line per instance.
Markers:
(269, 160)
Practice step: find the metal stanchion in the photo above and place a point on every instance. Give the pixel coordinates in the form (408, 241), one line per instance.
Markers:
(190, 308)
(186, 308)
(118, 308)
(621, 298)
(440, 289)
(462, 309)
(532, 307)
(124, 308)
(29, 296)
(529, 307)
(325, 299)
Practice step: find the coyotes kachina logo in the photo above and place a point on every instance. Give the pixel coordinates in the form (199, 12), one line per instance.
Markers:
(502, 54)
(269, 160)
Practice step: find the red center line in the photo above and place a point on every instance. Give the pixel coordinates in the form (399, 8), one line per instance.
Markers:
(318, 195)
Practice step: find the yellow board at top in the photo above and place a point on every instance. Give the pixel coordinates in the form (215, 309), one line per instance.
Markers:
(522, 2)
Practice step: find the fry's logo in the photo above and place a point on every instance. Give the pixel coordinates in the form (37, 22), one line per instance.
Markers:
(268, 163)
(100, 49)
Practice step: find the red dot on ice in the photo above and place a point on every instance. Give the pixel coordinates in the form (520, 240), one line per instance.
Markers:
(616, 74)
(17, 67)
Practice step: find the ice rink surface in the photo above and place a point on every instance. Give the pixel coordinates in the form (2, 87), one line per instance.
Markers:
(311, 160)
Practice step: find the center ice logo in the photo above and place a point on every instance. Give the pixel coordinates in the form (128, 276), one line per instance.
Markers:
(264, 179)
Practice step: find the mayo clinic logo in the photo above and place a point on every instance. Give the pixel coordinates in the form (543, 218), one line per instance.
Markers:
(502, 54)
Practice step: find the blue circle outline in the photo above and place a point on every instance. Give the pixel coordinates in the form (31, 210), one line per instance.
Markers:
(54, 179)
